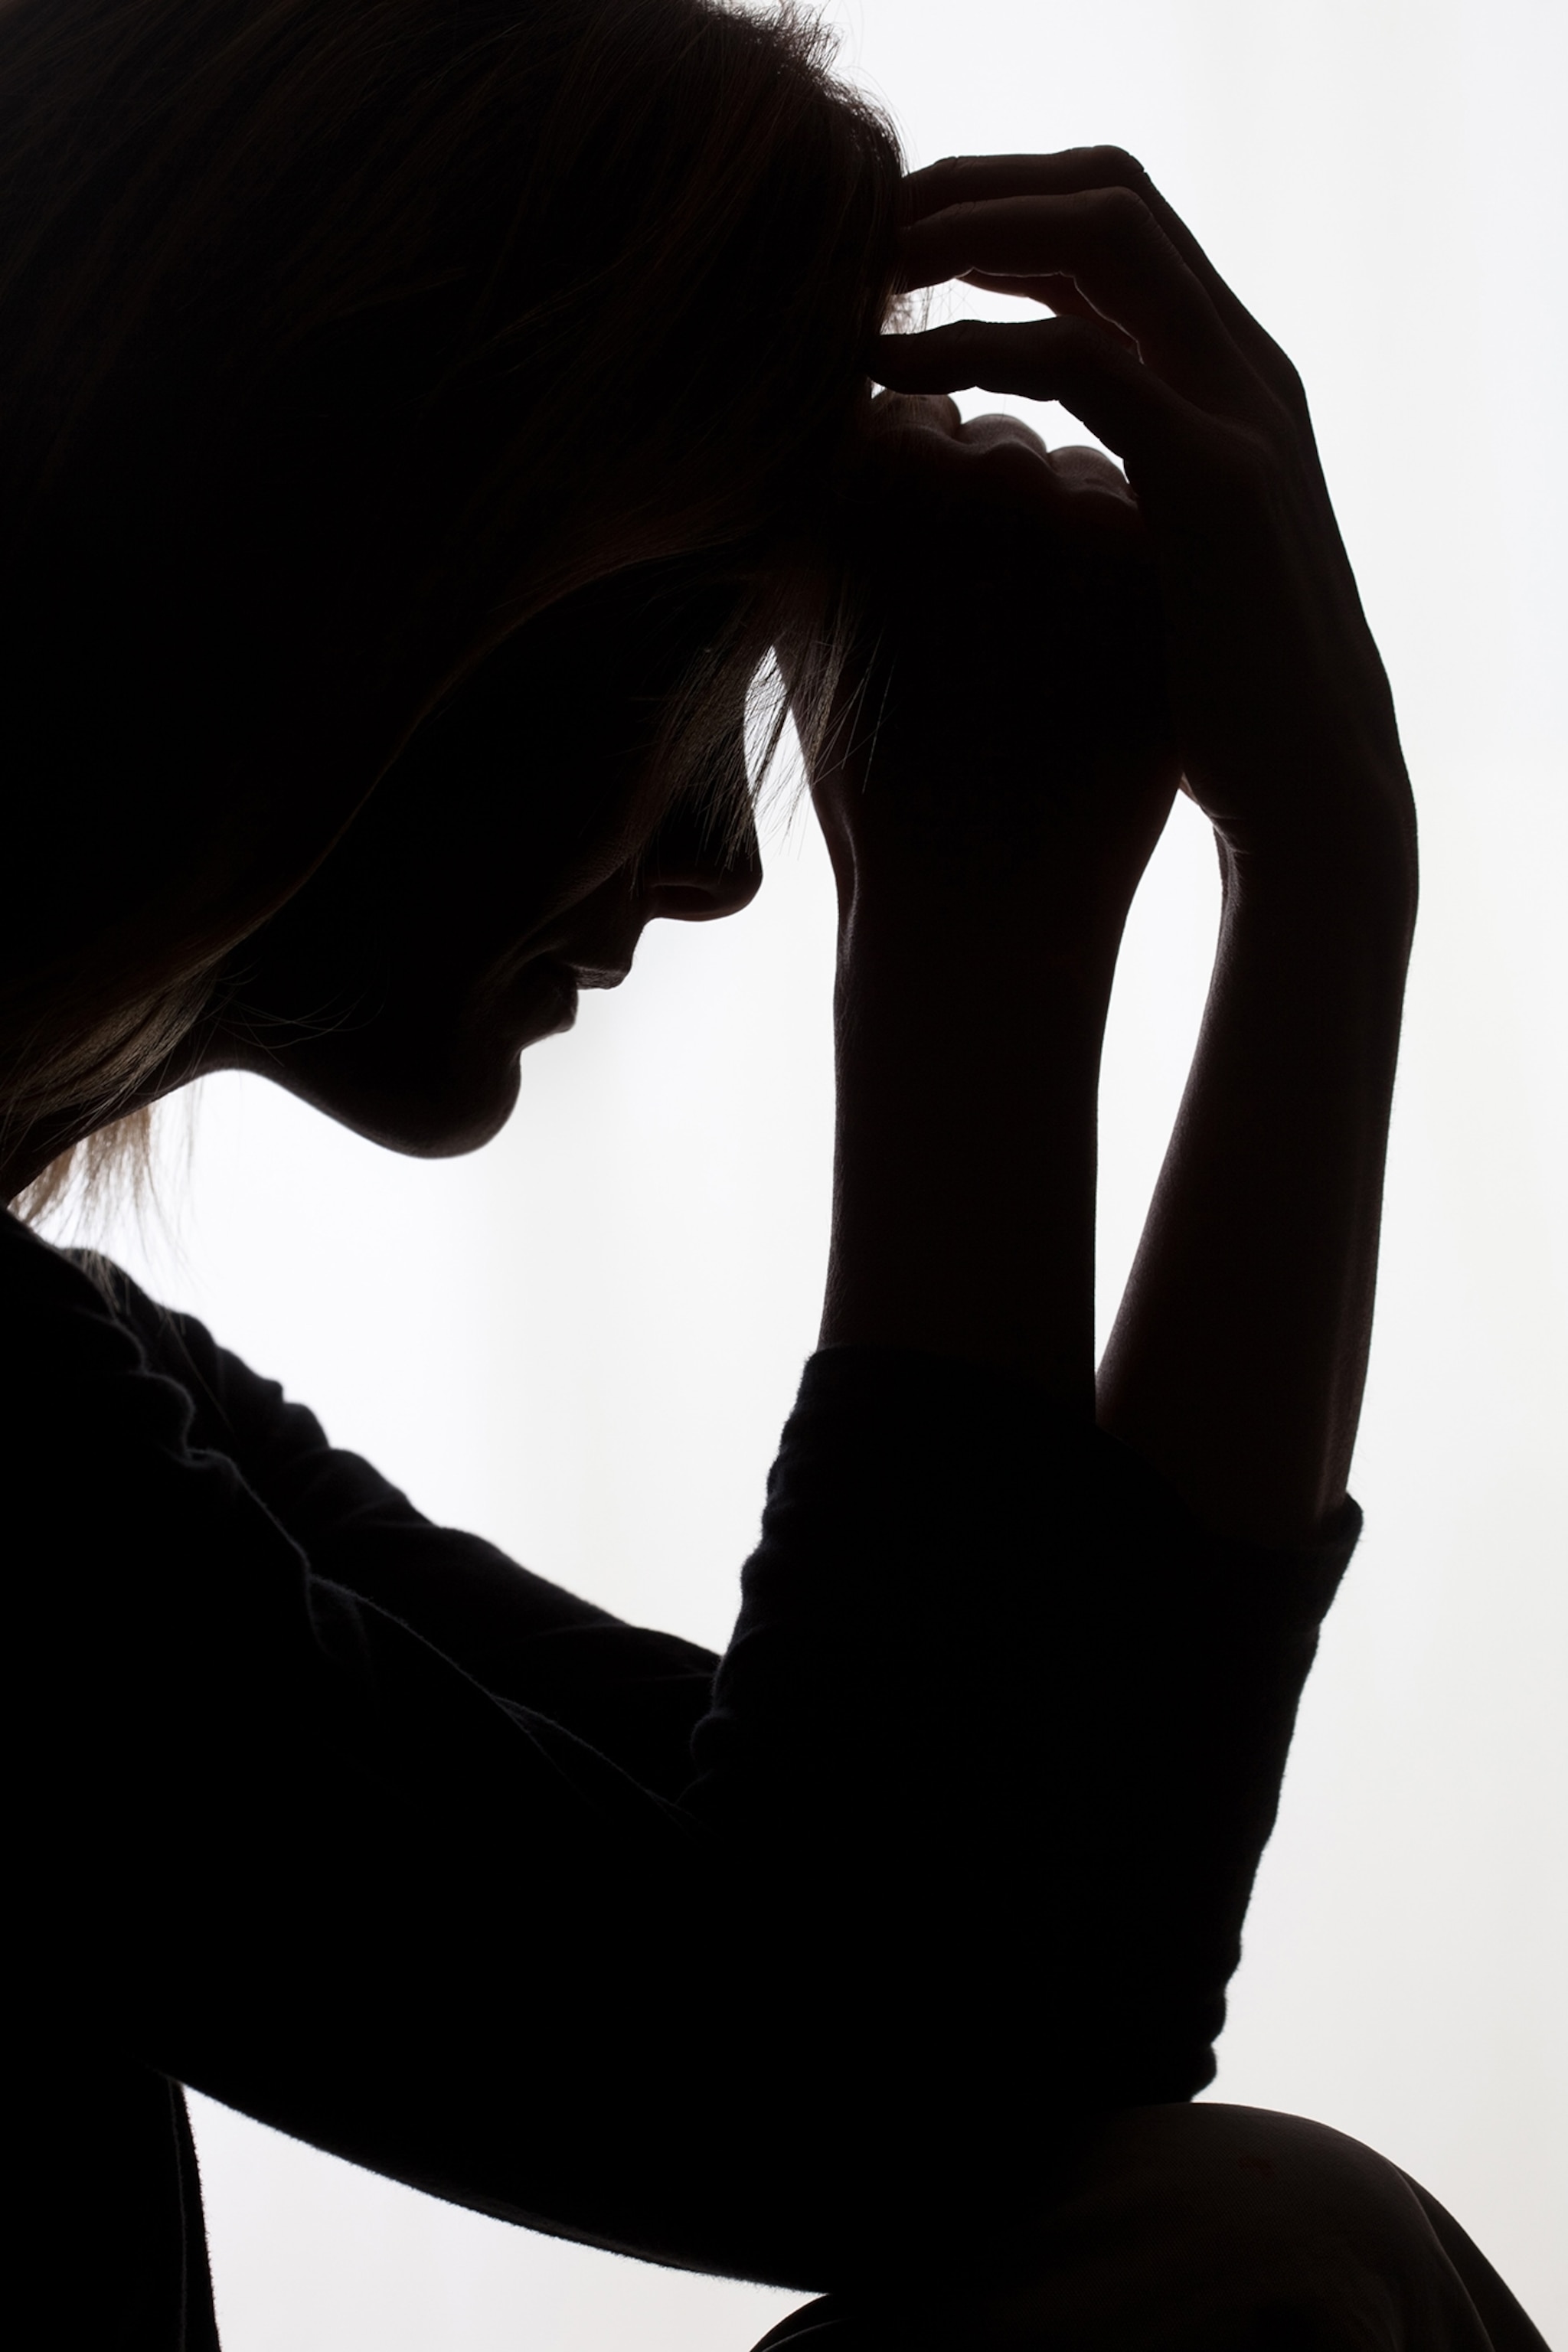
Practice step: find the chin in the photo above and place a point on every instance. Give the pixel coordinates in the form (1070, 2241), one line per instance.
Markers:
(424, 1115)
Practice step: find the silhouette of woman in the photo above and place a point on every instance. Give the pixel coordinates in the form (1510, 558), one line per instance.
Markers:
(420, 417)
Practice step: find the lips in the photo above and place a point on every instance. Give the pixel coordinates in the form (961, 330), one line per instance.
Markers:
(545, 995)
(595, 975)
(542, 993)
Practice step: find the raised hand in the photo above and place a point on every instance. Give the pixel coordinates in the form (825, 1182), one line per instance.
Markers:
(997, 771)
(1003, 743)
(1238, 1358)
(1280, 706)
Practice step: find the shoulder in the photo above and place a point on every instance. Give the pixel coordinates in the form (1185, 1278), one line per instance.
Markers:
(59, 1301)
(81, 1379)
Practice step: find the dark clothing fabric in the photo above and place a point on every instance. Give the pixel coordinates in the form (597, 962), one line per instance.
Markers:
(794, 1965)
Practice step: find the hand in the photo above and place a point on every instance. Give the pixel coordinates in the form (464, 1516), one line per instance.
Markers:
(1004, 726)
(995, 774)
(1280, 706)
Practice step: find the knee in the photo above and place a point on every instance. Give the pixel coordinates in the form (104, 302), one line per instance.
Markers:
(1204, 2229)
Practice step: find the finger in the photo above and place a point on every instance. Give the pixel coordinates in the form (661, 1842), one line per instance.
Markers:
(997, 462)
(977, 178)
(1110, 245)
(1090, 469)
(1071, 471)
(1124, 404)
(974, 179)
(990, 432)
(982, 179)
(900, 412)
(1056, 291)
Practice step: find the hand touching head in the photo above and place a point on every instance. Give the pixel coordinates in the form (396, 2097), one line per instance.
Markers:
(1009, 714)
(340, 337)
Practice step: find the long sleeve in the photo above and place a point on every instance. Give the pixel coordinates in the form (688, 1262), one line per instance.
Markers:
(992, 1678)
(360, 1827)
(987, 1668)
(631, 1691)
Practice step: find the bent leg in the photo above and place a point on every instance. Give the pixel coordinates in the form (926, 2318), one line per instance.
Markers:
(1207, 2229)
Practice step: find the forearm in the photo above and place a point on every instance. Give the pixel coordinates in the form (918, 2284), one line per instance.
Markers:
(964, 1195)
(1238, 1358)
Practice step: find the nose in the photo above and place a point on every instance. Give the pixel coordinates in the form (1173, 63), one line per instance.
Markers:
(701, 865)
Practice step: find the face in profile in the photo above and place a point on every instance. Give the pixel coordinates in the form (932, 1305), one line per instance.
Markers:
(511, 856)
(514, 852)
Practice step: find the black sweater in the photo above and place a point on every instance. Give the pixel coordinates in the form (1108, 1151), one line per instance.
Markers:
(796, 1964)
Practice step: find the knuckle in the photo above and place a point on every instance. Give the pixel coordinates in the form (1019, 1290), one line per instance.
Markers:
(1279, 414)
(1242, 462)
(1123, 212)
(1278, 418)
(1074, 339)
(1288, 383)
(951, 177)
(1010, 462)
(1118, 167)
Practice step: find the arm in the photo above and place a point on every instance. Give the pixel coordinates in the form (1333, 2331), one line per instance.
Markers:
(632, 1692)
(963, 1180)
(1239, 1353)
(990, 799)
(1237, 1360)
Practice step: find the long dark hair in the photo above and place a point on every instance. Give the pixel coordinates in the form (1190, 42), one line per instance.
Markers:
(338, 338)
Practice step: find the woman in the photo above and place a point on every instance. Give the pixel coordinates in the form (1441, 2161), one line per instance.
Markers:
(419, 421)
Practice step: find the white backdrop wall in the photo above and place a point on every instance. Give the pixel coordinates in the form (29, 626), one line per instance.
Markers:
(582, 1342)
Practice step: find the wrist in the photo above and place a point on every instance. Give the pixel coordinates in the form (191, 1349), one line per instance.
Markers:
(1354, 839)
(963, 1194)
(1355, 885)
(1051, 932)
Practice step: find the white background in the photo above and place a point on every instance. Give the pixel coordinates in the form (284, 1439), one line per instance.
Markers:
(583, 1341)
